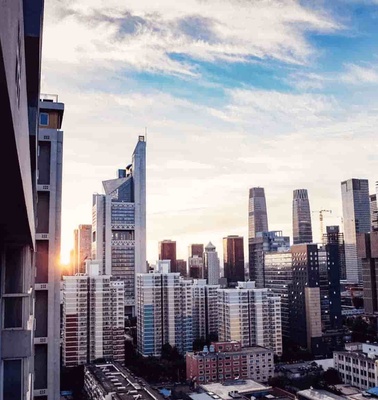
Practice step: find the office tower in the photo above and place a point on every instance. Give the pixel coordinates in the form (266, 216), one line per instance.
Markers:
(196, 250)
(367, 247)
(167, 251)
(333, 236)
(196, 262)
(211, 265)
(233, 259)
(119, 224)
(279, 279)
(356, 216)
(181, 267)
(258, 246)
(250, 316)
(304, 298)
(75, 250)
(93, 318)
(84, 247)
(20, 50)
(164, 313)
(205, 310)
(257, 215)
(302, 230)
(47, 281)
(373, 212)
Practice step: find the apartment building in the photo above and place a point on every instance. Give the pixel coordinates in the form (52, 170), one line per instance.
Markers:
(229, 360)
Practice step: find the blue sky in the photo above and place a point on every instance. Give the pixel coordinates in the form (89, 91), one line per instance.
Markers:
(235, 93)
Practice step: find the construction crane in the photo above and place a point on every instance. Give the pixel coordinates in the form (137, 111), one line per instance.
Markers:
(321, 217)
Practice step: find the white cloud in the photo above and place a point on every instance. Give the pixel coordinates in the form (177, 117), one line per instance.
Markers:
(357, 74)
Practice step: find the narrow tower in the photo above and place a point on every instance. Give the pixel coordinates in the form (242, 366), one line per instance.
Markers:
(257, 214)
(302, 230)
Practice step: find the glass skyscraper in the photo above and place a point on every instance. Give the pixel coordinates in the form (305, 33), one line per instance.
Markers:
(302, 230)
(257, 214)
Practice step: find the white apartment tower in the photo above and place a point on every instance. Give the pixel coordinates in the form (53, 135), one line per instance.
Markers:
(93, 318)
(205, 310)
(164, 307)
(119, 224)
(250, 316)
(212, 264)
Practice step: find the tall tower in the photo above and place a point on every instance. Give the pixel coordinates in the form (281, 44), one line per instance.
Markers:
(195, 261)
(119, 224)
(356, 215)
(167, 251)
(257, 214)
(47, 288)
(212, 265)
(233, 256)
(84, 246)
(302, 230)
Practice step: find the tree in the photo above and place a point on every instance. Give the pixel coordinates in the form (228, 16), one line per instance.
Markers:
(331, 377)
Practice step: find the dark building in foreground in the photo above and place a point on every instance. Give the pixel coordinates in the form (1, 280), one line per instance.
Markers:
(302, 229)
(233, 256)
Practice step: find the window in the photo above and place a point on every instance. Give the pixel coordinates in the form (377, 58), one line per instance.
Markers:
(12, 379)
(43, 119)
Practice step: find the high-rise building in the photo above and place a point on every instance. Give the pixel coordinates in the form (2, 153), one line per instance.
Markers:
(196, 262)
(119, 224)
(233, 259)
(302, 230)
(367, 248)
(356, 216)
(167, 251)
(205, 310)
(257, 214)
(20, 62)
(250, 316)
(211, 264)
(84, 247)
(164, 313)
(332, 237)
(181, 267)
(93, 318)
(258, 246)
(75, 251)
(47, 280)
(373, 212)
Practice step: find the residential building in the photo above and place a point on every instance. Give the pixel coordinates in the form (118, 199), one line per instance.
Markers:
(119, 225)
(367, 250)
(21, 25)
(205, 310)
(373, 212)
(233, 259)
(211, 264)
(167, 251)
(225, 361)
(257, 214)
(83, 249)
(93, 317)
(262, 243)
(356, 217)
(358, 364)
(250, 316)
(302, 229)
(48, 233)
(164, 313)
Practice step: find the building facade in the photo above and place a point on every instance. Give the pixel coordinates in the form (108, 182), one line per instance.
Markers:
(93, 318)
(233, 259)
(356, 217)
(211, 264)
(250, 316)
(82, 247)
(302, 228)
(164, 313)
(373, 212)
(257, 213)
(258, 246)
(332, 237)
(119, 225)
(227, 361)
(167, 251)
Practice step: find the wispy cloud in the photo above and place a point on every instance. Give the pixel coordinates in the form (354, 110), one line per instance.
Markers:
(359, 74)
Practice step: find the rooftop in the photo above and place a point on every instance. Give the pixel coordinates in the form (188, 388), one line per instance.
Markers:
(241, 386)
(313, 394)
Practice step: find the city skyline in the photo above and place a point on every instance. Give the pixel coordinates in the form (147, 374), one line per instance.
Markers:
(284, 111)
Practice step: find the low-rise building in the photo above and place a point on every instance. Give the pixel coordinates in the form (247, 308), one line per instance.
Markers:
(358, 364)
(228, 360)
(316, 394)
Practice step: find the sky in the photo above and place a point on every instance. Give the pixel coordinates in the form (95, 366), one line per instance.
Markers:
(234, 94)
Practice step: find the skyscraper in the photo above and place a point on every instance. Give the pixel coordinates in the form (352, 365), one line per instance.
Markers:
(257, 214)
(356, 216)
(373, 212)
(233, 256)
(83, 251)
(47, 287)
(251, 316)
(332, 237)
(167, 251)
(302, 230)
(164, 313)
(119, 224)
(211, 265)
